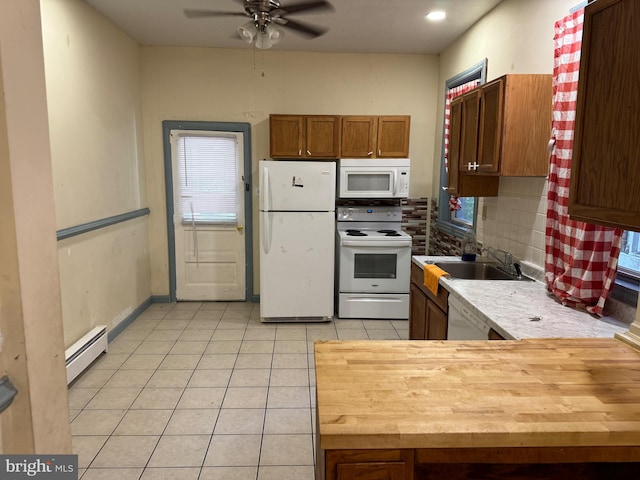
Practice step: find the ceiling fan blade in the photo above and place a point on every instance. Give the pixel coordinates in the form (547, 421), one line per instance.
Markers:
(305, 29)
(302, 7)
(190, 13)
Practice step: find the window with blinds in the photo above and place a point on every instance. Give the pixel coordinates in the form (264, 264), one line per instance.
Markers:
(208, 177)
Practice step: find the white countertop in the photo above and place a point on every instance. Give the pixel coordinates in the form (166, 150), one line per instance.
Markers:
(522, 309)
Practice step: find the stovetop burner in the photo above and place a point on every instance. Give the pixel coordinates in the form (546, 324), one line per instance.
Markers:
(390, 233)
(355, 233)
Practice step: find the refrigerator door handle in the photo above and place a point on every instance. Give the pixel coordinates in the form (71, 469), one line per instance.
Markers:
(264, 188)
(265, 233)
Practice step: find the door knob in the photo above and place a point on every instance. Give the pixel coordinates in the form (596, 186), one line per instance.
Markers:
(240, 227)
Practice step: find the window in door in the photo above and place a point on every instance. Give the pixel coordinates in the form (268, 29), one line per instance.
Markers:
(207, 170)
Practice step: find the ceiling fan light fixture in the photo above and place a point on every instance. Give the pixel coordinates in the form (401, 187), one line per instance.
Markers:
(262, 41)
(275, 34)
(247, 32)
(269, 37)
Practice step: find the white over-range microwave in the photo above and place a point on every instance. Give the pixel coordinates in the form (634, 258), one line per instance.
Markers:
(373, 178)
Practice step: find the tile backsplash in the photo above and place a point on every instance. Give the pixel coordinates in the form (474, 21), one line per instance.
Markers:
(414, 222)
(515, 220)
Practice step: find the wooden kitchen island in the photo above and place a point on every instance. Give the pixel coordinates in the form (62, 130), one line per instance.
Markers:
(560, 408)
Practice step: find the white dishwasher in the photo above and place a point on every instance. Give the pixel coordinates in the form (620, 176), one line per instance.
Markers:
(463, 324)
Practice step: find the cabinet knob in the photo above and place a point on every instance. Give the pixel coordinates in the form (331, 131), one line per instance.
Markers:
(370, 153)
(308, 153)
(299, 153)
(472, 166)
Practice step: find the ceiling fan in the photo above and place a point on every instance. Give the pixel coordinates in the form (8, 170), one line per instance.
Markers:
(266, 16)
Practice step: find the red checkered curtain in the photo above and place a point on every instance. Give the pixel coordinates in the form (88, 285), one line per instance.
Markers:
(450, 95)
(581, 258)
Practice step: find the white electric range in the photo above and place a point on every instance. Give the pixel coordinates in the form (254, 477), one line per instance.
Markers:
(373, 263)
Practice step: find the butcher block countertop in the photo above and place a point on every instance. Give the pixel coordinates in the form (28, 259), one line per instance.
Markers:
(478, 394)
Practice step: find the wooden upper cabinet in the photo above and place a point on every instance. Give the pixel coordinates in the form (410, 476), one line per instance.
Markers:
(304, 136)
(375, 137)
(393, 136)
(463, 139)
(455, 134)
(469, 131)
(359, 135)
(286, 136)
(491, 97)
(322, 137)
(605, 170)
(505, 127)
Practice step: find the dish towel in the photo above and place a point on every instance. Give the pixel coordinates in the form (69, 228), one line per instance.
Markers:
(432, 274)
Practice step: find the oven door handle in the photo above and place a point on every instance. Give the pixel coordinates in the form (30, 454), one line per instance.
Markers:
(383, 243)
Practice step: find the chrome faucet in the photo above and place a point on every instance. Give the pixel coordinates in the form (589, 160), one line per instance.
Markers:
(506, 261)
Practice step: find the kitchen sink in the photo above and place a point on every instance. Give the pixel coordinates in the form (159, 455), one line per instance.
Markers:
(477, 271)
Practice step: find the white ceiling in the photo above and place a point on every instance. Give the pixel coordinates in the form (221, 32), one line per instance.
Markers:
(355, 26)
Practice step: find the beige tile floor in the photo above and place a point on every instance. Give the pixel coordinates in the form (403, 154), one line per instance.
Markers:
(205, 391)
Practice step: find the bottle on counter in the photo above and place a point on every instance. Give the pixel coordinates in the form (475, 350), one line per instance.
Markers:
(469, 246)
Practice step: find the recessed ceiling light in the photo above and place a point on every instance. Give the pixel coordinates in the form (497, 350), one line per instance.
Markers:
(436, 16)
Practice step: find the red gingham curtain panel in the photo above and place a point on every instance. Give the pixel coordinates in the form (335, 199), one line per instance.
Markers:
(581, 259)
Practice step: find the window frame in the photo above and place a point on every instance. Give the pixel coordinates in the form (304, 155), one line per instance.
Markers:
(445, 221)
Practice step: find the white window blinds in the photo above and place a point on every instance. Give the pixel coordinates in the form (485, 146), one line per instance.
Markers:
(208, 177)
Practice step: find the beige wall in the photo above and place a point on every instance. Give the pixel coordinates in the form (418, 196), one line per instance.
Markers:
(93, 89)
(245, 86)
(515, 37)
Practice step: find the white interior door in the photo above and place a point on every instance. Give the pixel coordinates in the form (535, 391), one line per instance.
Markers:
(208, 194)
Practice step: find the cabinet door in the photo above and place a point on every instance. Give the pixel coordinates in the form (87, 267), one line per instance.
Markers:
(358, 137)
(322, 137)
(491, 120)
(286, 136)
(417, 313)
(455, 130)
(605, 170)
(393, 136)
(371, 471)
(469, 134)
(436, 322)
(460, 182)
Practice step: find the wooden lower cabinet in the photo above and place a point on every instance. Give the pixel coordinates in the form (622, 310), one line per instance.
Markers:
(427, 312)
(562, 463)
(417, 313)
(369, 465)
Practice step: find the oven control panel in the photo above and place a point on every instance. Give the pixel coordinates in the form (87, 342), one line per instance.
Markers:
(369, 214)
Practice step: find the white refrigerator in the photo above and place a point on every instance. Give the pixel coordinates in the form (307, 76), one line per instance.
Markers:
(297, 240)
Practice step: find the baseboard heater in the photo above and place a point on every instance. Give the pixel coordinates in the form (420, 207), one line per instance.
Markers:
(82, 353)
